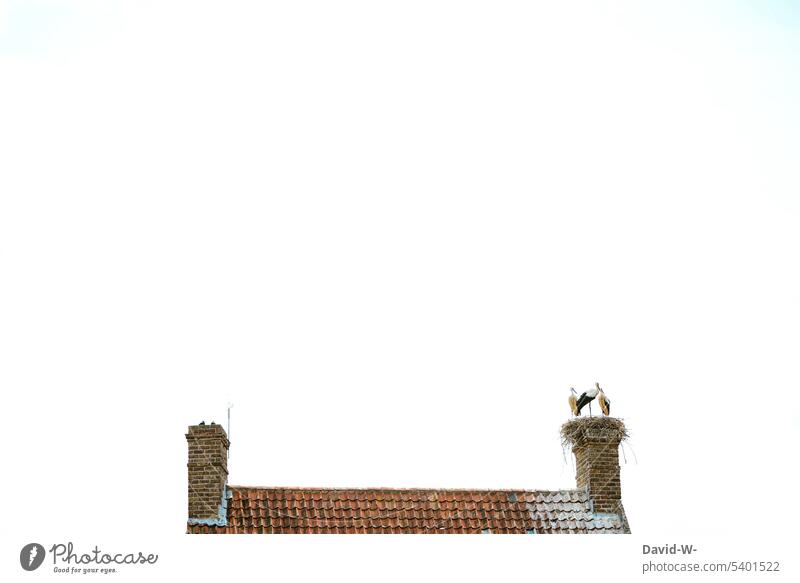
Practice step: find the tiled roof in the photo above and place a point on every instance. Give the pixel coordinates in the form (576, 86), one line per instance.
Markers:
(395, 511)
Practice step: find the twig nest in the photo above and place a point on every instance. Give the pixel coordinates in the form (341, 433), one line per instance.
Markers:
(581, 429)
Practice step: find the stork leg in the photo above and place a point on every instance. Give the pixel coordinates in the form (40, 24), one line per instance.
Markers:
(590, 408)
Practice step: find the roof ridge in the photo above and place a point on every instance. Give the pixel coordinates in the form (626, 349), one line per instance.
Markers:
(395, 489)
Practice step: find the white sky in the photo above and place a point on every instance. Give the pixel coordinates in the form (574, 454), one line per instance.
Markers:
(394, 234)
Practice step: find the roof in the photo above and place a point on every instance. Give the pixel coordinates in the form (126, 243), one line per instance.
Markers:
(415, 511)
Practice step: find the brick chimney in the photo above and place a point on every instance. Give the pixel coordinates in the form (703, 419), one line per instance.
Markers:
(208, 474)
(595, 442)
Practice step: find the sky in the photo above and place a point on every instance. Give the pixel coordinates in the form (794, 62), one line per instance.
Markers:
(393, 235)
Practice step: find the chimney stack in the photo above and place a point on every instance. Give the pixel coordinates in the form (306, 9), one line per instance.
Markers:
(595, 442)
(208, 474)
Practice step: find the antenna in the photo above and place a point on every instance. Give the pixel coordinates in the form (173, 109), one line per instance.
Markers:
(230, 406)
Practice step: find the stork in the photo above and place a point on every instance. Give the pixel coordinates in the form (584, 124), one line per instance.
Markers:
(605, 403)
(587, 398)
(573, 402)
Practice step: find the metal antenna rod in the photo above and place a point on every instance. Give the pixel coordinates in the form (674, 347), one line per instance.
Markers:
(230, 406)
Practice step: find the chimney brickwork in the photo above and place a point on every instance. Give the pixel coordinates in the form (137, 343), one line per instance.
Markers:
(595, 442)
(208, 472)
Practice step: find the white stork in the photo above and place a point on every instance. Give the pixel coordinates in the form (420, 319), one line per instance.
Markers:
(605, 402)
(587, 398)
(573, 401)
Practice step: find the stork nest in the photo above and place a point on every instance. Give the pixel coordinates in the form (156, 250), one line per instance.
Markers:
(577, 428)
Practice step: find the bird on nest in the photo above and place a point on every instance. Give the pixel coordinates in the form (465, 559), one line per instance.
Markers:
(577, 403)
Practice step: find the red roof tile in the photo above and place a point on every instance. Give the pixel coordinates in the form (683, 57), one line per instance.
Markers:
(416, 511)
